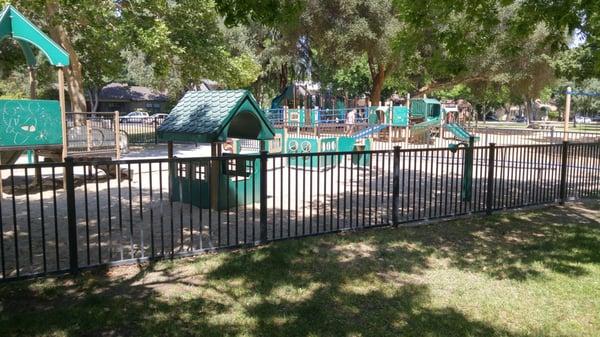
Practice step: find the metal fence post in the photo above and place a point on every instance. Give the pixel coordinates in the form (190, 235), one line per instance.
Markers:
(563, 173)
(489, 198)
(263, 196)
(69, 185)
(396, 186)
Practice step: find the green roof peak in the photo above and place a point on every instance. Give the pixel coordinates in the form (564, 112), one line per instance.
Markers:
(215, 115)
(15, 25)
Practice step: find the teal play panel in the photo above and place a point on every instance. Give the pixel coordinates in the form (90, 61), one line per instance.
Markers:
(358, 158)
(310, 146)
(30, 123)
(399, 116)
(237, 183)
(303, 117)
(296, 116)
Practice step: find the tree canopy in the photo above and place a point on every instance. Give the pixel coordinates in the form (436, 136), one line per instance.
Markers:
(352, 47)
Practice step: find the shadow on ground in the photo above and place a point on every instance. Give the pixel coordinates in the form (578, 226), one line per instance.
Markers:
(363, 284)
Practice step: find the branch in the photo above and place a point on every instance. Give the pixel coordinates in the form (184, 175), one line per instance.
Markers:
(437, 86)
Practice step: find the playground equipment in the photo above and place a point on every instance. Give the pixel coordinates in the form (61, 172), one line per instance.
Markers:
(458, 132)
(418, 122)
(32, 124)
(466, 191)
(42, 126)
(213, 117)
(311, 145)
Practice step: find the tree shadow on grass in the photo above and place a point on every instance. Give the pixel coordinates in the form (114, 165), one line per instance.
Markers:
(335, 285)
(280, 290)
(517, 246)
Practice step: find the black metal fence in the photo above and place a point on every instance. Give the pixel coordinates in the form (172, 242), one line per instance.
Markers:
(512, 136)
(129, 210)
(141, 130)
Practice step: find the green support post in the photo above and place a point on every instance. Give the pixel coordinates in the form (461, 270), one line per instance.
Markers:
(467, 182)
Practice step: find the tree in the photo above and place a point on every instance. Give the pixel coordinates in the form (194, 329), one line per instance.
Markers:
(268, 12)
(185, 42)
(182, 41)
(346, 31)
(87, 30)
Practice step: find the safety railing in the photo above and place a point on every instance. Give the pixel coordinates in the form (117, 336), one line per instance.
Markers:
(59, 217)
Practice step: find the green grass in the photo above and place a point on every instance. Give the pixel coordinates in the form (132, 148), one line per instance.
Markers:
(531, 273)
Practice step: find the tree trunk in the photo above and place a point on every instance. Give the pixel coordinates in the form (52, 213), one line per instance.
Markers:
(527, 108)
(94, 95)
(32, 83)
(378, 80)
(74, 73)
(283, 77)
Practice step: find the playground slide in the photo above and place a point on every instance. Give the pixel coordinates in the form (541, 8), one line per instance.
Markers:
(419, 133)
(9, 157)
(368, 131)
(427, 124)
(422, 127)
(458, 132)
(276, 102)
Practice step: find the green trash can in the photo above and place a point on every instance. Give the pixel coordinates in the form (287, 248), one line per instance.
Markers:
(361, 158)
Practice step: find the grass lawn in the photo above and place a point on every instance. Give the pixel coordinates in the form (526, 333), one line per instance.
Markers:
(530, 273)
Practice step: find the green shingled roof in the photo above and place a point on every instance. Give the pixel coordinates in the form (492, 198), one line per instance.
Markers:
(213, 116)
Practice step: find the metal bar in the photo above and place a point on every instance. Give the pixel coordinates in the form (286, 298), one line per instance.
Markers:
(71, 220)
(120, 210)
(132, 252)
(43, 226)
(56, 246)
(98, 222)
(87, 218)
(109, 206)
(15, 226)
(563, 172)
(28, 212)
(490, 179)
(263, 196)
(396, 187)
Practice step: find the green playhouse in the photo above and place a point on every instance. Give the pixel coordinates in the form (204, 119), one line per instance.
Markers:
(30, 124)
(213, 117)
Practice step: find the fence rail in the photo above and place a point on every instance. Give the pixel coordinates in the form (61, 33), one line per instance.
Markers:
(141, 130)
(110, 212)
(511, 136)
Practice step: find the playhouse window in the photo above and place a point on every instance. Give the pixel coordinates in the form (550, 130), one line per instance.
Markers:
(238, 168)
(249, 167)
(182, 170)
(200, 172)
(232, 165)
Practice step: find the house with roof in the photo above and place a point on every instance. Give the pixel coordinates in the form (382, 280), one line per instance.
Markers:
(126, 98)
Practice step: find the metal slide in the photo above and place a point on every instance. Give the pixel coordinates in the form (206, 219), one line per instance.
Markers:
(458, 132)
(368, 131)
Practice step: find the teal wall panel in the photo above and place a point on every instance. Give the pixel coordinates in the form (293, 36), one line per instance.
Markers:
(30, 123)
